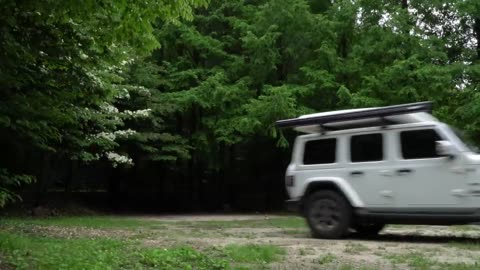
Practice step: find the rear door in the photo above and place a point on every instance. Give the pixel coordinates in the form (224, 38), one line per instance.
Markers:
(368, 167)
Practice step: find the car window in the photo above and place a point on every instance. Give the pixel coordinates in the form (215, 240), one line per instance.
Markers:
(368, 147)
(320, 151)
(419, 143)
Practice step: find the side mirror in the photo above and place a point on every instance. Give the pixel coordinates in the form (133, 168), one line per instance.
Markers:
(444, 148)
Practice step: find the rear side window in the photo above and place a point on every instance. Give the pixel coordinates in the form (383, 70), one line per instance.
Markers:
(320, 151)
(419, 143)
(368, 147)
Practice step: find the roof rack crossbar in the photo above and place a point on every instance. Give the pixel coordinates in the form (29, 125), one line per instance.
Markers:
(372, 113)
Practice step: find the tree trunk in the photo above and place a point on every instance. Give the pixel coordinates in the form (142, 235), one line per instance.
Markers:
(44, 179)
(71, 178)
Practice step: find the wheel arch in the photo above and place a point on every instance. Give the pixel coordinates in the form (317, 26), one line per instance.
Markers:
(336, 184)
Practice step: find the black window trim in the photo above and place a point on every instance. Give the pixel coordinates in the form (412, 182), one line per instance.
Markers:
(349, 149)
(337, 152)
(399, 140)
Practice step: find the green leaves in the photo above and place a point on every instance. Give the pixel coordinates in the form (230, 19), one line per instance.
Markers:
(62, 66)
(8, 181)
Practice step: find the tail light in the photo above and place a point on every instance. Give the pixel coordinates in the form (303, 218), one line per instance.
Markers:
(289, 180)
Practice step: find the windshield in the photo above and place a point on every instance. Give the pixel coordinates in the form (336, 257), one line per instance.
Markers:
(461, 135)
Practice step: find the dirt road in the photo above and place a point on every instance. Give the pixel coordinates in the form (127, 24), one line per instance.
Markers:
(397, 247)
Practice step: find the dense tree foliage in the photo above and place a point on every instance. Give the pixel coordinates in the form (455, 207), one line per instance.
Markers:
(61, 67)
(91, 81)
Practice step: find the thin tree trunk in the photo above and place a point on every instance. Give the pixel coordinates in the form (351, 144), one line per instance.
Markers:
(44, 179)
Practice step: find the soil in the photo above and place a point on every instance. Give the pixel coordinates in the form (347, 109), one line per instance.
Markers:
(440, 244)
(304, 252)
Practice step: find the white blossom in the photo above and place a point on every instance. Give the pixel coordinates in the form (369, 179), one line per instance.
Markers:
(138, 113)
(123, 94)
(112, 136)
(109, 108)
(106, 135)
(116, 159)
(125, 133)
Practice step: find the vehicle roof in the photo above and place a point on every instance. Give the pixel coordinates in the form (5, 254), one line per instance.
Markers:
(418, 117)
(368, 129)
(364, 117)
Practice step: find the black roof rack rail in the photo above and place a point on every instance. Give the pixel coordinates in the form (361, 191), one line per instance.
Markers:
(425, 106)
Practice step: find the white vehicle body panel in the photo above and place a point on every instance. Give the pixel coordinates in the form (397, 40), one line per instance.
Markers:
(393, 182)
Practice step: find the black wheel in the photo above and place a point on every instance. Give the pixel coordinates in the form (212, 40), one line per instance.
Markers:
(368, 229)
(328, 214)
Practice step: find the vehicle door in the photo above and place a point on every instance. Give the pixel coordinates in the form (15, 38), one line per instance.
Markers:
(368, 162)
(423, 178)
(320, 158)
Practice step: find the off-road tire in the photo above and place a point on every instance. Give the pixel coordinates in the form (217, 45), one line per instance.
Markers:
(328, 214)
(368, 229)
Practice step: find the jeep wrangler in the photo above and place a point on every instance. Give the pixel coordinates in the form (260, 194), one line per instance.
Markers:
(361, 169)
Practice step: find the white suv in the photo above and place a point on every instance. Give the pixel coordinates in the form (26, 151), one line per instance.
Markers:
(361, 169)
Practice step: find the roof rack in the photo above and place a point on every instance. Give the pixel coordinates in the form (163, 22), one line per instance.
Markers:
(425, 106)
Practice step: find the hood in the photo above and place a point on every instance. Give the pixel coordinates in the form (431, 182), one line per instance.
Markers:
(473, 158)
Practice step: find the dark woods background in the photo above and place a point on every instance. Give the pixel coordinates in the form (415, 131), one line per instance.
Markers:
(156, 106)
(250, 179)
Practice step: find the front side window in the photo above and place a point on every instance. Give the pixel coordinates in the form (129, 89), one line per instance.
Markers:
(365, 148)
(320, 151)
(418, 144)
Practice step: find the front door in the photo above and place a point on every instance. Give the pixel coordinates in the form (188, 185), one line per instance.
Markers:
(422, 178)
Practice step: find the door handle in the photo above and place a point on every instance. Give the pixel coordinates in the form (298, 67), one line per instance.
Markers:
(356, 173)
(404, 171)
(386, 193)
(386, 173)
(459, 192)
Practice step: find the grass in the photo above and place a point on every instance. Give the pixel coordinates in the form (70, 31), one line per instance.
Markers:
(279, 222)
(474, 245)
(253, 253)
(111, 222)
(180, 258)
(24, 251)
(107, 242)
(464, 228)
(327, 259)
(29, 252)
(355, 248)
(420, 262)
(93, 222)
(414, 260)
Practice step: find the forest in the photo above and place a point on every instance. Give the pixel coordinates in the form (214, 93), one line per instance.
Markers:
(171, 105)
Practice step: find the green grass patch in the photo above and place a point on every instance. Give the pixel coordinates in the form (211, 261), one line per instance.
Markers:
(25, 251)
(111, 222)
(464, 228)
(474, 245)
(28, 252)
(355, 248)
(414, 260)
(95, 222)
(278, 222)
(327, 259)
(420, 262)
(254, 253)
(181, 258)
